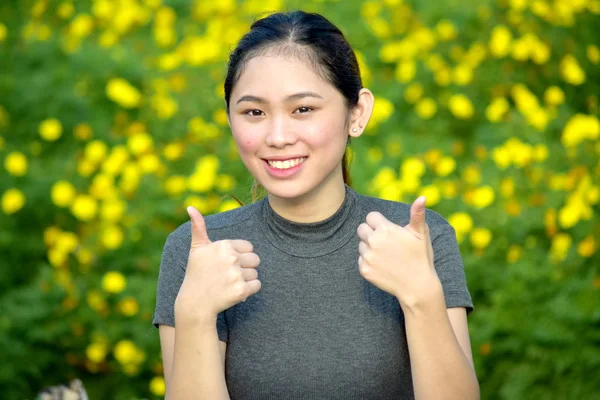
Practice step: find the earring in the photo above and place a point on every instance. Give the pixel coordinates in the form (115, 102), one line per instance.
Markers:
(354, 130)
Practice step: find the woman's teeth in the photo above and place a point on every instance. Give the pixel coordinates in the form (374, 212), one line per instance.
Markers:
(286, 164)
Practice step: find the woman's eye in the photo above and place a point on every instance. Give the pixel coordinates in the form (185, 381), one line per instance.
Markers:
(253, 113)
(303, 110)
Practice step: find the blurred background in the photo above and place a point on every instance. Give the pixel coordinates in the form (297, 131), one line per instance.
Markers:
(112, 121)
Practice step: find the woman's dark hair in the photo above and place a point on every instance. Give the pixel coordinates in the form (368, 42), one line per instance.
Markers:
(309, 36)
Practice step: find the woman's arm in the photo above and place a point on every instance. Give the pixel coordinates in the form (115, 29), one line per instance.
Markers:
(198, 367)
(440, 367)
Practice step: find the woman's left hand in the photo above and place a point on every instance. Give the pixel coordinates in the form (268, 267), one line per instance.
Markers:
(398, 259)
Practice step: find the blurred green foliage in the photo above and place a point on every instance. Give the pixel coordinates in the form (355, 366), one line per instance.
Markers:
(112, 122)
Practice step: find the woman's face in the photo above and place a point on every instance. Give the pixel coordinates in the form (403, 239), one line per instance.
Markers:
(289, 126)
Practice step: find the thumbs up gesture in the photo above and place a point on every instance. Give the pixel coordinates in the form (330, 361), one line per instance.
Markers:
(398, 259)
(219, 274)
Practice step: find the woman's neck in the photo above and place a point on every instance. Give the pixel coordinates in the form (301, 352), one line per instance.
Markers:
(314, 206)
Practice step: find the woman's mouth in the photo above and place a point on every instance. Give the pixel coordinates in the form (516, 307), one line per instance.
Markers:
(284, 168)
(286, 164)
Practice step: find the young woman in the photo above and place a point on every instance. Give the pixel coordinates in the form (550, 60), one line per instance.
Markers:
(358, 298)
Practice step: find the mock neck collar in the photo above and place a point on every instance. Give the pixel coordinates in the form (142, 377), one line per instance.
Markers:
(312, 239)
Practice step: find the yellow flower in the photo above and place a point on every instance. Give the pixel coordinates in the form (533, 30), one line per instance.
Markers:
(157, 386)
(472, 174)
(102, 186)
(406, 71)
(83, 132)
(483, 196)
(443, 77)
(514, 253)
(432, 193)
(461, 106)
(497, 109)
(413, 93)
(462, 222)
(225, 183)
(426, 108)
(554, 96)
(126, 352)
(140, 143)
(16, 163)
(112, 209)
(228, 204)
(150, 163)
(587, 247)
(445, 166)
(96, 352)
(384, 177)
(579, 128)
(128, 306)
(200, 50)
(112, 237)
(175, 185)
(392, 191)
(507, 187)
(561, 243)
(114, 282)
(115, 162)
(173, 151)
(500, 41)
(82, 25)
(84, 256)
(96, 301)
(434, 62)
(85, 167)
(51, 233)
(540, 152)
(462, 74)
(164, 106)
(413, 166)
(65, 10)
(84, 207)
(57, 257)
(12, 201)
(538, 118)
(62, 193)
(570, 70)
(445, 30)
(50, 129)
(593, 53)
(481, 238)
(525, 100)
(501, 156)
(540, 52)
(123, 93)
(95, 151)
(3, 32)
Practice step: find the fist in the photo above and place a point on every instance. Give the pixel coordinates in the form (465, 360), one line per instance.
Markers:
(397, 259)
(219, 274)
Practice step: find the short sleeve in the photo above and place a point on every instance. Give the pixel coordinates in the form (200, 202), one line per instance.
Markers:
(450, 269)
(170, 277)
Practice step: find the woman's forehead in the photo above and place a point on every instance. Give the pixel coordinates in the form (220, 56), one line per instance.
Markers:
(279, 76)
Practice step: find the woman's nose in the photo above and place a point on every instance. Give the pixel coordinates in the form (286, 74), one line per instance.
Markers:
(281, 133)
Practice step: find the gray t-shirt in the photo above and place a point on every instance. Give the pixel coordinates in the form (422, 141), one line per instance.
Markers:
(317, 329)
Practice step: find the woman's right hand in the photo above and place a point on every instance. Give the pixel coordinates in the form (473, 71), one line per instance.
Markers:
(219, 274)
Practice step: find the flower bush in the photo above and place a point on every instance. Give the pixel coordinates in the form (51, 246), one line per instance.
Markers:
(112, 121)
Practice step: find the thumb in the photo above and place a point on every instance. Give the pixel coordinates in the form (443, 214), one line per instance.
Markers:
(199, 234)
(417, 216)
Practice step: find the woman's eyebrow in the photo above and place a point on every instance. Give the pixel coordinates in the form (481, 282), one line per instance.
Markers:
(295, 96)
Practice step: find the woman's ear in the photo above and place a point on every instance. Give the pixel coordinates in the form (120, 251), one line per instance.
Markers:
(361, 113)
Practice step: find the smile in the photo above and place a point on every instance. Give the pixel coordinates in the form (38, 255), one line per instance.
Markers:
(286, 164)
